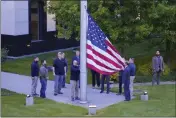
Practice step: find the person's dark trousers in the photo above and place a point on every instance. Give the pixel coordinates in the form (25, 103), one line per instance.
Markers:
(156, 77)
(63, 82)
(120, 84)
(43, 82)
(79, 81)
(107, 82)
(96, 76)
(58, 84)
(127, 91)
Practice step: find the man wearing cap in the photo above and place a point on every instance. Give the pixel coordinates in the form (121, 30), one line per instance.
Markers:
(132, 74)
(59, 70)
(158, 67)
(34, 75)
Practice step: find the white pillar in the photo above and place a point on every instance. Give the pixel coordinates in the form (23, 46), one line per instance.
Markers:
(83, 58)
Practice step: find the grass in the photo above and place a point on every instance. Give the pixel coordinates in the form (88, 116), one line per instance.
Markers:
(22, 66)
(161, 103)
(13, 105)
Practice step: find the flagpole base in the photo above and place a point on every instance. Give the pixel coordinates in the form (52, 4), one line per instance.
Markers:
(83, 102)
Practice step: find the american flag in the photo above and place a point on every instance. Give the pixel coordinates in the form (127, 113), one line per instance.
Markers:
(102, 56)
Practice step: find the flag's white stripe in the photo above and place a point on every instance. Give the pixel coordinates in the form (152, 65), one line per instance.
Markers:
(103, 53)
(91, 62)
(114, 53)
(104, 62)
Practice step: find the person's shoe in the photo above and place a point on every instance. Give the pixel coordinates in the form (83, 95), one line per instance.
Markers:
(126, 100)
(60, 93)
(35, 95)
(101, 91)
(107, 92)
(55, 94)
(72, 99)
(119, 94)
(93, 87)
(77, 98)
(43, 96)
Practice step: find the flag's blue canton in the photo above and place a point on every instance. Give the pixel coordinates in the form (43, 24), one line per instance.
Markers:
(95, 34)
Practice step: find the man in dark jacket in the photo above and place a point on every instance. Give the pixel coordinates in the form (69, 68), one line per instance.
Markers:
(95, 76)
(59, 71)
(107, 82)
(34, 75)
(64, 79)
(126, 82)
(77, 58)
(120, 82)
(43, 78)
(74, 80)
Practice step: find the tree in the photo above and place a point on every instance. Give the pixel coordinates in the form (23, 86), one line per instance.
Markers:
(162, 17)
(120, 20)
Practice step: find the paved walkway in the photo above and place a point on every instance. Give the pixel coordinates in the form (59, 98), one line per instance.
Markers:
(22, 84)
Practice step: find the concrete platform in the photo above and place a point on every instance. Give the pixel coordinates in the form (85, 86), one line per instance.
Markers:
(22, 84)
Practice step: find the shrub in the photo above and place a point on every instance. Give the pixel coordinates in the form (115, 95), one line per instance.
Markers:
(114, 77)
(4, 54)
(146, 69)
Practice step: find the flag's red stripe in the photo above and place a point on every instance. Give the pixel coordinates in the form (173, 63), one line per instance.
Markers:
(98, 63)
(104, 57)
(98, 70)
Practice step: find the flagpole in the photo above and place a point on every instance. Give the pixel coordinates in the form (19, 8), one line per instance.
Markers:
(83, 58)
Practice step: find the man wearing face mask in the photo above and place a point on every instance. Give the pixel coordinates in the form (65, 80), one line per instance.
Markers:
(34, 75)
(43, 78)
(158, 67)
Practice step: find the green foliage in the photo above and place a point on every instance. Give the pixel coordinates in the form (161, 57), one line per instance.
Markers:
(114, 77)
(146, 69)
(119, 23)
(67, 16)
(162, 16)
(4, 54)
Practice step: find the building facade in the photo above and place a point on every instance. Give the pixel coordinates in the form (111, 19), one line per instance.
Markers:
(27, 28)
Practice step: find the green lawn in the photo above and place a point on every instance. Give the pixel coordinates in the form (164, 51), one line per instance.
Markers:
(22, 66)
(14, 106)
(161, 103)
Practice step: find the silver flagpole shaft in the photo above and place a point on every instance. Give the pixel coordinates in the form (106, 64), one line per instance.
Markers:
(83, 58)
